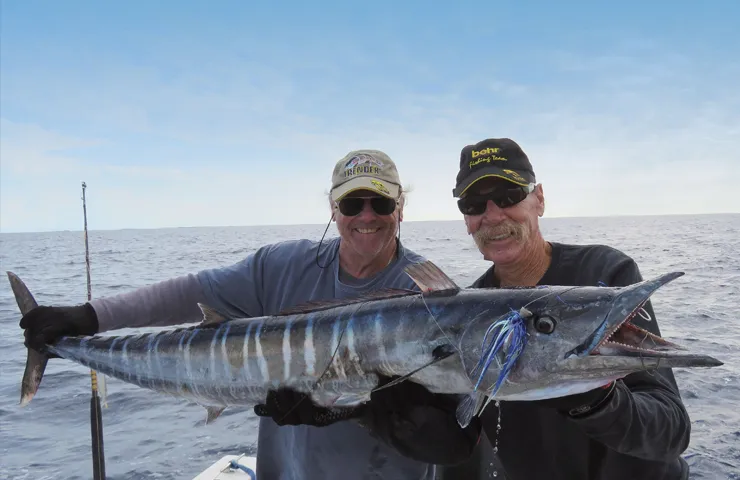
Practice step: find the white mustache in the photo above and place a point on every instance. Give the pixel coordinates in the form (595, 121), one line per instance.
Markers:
(488, 233)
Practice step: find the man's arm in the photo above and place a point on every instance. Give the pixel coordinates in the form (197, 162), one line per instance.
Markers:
(420, 424)
(234, 290)
(170, 302)
(645, 416)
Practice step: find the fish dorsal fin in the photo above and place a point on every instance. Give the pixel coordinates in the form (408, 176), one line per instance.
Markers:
(210, 316)
(212, 413)
(430, 279)
(317, 305)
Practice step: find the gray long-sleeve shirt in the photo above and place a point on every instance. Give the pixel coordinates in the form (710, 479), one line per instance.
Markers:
(274, 278)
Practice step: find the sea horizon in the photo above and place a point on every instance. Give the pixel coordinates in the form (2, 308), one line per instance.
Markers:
(545, 219)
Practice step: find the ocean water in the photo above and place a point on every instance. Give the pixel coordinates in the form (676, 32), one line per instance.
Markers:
(149, 435)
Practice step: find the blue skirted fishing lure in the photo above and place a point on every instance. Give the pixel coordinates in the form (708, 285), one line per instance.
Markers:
(508, 333)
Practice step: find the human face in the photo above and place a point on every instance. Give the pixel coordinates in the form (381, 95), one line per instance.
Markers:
(367, 234)
(505, 235)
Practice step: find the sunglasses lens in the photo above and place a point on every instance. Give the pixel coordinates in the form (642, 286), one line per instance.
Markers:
(353, 205)
(476, 204)
(383, 205)
(471, 205)
(511, 197)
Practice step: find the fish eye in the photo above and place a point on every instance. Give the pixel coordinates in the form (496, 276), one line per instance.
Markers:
(544, 324)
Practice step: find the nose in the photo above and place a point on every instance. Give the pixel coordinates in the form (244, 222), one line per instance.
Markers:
(367, 211)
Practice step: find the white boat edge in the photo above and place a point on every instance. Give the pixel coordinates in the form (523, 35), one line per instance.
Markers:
(222, 468)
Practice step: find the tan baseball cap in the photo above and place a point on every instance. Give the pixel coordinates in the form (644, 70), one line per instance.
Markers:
(365, 170)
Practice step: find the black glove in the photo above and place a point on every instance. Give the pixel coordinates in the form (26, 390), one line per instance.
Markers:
(420, 424)
(288, 407)
(581, 404)
(398, 401)
(44, 325)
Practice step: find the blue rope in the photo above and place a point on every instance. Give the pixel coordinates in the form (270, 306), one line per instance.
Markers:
(512, 326)
(234, 464)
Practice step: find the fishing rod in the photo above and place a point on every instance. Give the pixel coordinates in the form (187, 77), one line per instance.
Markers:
(96, 420)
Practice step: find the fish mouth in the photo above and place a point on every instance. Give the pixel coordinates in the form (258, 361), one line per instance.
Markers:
(626, 338)
(617, 336)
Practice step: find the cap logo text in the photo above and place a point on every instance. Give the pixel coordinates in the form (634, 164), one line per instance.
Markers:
(487, 155)
(487, 151)
(362, 164)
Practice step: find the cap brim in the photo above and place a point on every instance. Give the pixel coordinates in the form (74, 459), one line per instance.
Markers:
(381, 187)
(510, 175)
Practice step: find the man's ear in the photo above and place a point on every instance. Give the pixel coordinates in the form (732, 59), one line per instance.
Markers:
(540, 195)
(333, 207)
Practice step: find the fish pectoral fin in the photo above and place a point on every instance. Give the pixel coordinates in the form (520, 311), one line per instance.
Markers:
(210, 316)
(351, 399)
(470, 406)
(430, 279)
(339, 392)
(438, 354)
(213, 413)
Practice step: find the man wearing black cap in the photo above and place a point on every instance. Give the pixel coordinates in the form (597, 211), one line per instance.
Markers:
(634, 428)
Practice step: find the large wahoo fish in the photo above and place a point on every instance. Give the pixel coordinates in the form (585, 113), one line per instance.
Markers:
(503, 344)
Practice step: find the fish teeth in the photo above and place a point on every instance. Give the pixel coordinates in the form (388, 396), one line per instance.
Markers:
(609, 337)
(630, 346)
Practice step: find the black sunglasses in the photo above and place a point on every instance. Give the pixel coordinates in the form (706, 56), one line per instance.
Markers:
(351, 206)
(502, 197)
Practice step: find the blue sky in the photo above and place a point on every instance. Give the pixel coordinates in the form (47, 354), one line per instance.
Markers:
(187, 114)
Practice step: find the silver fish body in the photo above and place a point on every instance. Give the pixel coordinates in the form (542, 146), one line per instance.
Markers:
(507, 344)
(334, 354)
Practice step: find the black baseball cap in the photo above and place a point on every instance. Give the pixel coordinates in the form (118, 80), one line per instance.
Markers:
(493, 157)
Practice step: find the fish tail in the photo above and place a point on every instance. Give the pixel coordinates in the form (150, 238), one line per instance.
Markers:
(35, 361)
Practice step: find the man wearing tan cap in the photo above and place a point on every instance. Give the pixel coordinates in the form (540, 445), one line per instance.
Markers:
(367, 205)
(401, 432)
(370, 170)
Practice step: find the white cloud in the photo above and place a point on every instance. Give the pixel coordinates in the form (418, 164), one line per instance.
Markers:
(236, 143)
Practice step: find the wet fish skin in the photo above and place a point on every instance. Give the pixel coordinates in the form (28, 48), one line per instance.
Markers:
(235, 362)
(335, 351)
